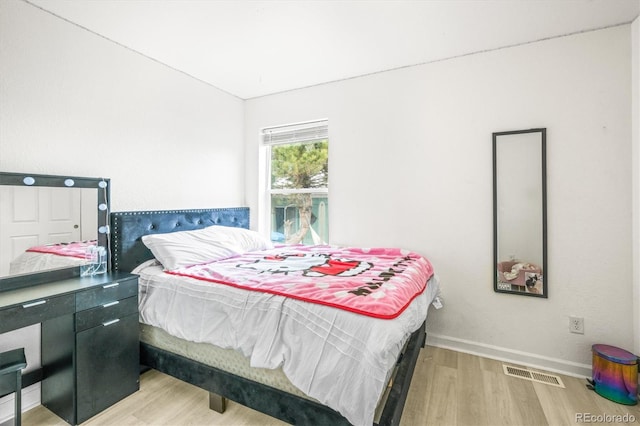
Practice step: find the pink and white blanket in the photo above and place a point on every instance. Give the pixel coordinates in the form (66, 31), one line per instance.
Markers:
(74, 249)
(377, 282)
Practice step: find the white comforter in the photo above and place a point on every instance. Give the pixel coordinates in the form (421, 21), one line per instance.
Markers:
(340, 358)
(37, 262)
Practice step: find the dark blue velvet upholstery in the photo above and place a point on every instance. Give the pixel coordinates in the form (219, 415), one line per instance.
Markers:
(127, 228)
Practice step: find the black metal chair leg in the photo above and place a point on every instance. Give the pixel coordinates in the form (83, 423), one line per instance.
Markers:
(13, 362)
(18, 417)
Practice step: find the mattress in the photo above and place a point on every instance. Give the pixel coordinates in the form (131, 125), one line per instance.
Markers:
(339, 358)
(225, 359)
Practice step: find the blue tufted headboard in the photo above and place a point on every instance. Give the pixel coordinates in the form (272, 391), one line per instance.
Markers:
(127, 228)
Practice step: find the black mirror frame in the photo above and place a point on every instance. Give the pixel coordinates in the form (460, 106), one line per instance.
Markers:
(103, 185)
(545, 265)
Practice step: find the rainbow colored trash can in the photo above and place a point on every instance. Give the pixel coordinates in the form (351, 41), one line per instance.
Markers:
(615, 374)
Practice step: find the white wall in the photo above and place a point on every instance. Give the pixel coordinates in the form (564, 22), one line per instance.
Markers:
(410, 162)
(410, 166)
(635, 159)
(75, 103)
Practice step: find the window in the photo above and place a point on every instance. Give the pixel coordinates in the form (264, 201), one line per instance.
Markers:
(297, 188)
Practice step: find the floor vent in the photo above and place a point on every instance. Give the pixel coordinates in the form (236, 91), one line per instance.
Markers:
(534, 376)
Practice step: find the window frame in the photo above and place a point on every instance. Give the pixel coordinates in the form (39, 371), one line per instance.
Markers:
(266, 147)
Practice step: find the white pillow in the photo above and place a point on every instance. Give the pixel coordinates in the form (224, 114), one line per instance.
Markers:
(178, 249)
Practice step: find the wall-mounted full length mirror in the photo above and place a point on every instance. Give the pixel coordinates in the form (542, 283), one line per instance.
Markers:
(49, 223)
(520, 212)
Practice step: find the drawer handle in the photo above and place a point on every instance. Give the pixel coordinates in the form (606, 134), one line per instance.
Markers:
(106, 305)
(108, 323)
(111, 285)
(32, 304)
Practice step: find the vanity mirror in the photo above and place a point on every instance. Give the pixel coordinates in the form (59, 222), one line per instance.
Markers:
(520, 212)
(47, 224)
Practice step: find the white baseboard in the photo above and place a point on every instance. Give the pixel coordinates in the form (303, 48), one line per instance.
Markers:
(30, 399)
(540, 362)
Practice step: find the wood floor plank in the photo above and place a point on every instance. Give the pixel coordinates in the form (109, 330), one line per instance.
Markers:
(433, 382)
(526, 403)
(472, 406)
(440, 356)
(488, 364)
(556, 404)
(498, 396)
(421, 384)
(443, 398)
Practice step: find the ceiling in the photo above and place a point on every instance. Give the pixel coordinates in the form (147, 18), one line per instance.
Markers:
(255, 48)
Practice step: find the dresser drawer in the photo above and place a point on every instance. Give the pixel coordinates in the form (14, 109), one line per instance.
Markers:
(36, 311)
(103, 294)
(105, 314)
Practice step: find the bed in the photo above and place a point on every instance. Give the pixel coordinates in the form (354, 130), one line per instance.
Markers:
(236, 365)
(51, 256)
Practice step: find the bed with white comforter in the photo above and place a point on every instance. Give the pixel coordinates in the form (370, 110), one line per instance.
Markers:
(338, 357)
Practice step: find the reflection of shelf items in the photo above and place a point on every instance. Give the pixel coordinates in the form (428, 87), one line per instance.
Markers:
(520, 212)
(521, 274)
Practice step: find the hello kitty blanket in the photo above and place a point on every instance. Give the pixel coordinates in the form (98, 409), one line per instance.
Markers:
(378, 282)
(74, 249)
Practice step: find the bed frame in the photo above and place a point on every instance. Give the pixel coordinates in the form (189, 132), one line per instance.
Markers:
(128, 251)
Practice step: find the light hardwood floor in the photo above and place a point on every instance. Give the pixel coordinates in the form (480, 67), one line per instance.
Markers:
(448, 388)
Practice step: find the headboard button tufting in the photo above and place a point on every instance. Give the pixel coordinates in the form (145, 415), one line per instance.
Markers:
(128, 249)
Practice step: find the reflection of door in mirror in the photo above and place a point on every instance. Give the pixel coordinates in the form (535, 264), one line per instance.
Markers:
(32, 217)
(519, 191)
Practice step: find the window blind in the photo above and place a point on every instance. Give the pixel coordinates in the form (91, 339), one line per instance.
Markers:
(296, 133)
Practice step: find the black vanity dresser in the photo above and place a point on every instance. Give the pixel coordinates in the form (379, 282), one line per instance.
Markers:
(89, 343)
(89, 324)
